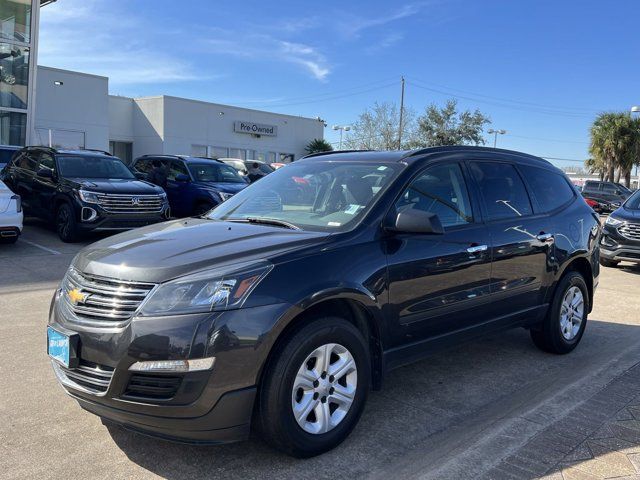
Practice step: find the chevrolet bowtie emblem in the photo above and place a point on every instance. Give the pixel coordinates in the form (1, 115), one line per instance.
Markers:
(76, 296)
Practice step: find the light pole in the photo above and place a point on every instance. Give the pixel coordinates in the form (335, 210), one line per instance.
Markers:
(342, 128)
(636, 109)
(495, 132)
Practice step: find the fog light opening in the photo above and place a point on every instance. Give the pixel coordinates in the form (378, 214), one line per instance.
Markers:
(88, 214)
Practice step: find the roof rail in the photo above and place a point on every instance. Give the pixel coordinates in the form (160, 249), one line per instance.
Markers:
(95, 150)
(331, 152)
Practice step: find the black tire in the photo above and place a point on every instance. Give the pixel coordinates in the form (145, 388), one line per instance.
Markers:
(202, 208)
(275, 417)
(548, 336)
(66, 225)
(608, 263)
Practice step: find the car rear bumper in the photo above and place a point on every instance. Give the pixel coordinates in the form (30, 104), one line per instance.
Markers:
(11, 223)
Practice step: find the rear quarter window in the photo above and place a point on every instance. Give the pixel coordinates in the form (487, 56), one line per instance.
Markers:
(550, 189)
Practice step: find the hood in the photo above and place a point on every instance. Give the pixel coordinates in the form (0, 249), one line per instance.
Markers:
(163, 251)
(631, 215)
(133, 187)
(221, 186)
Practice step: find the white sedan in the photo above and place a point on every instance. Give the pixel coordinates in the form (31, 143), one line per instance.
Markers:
(10, 215)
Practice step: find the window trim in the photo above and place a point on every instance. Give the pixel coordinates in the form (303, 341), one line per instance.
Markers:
(475, 218)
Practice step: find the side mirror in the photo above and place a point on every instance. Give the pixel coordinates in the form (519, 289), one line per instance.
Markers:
(45, 173)
(412, 220)
(182, 178)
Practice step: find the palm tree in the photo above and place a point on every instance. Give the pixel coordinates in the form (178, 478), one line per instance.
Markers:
(615, 145)
(318, 145)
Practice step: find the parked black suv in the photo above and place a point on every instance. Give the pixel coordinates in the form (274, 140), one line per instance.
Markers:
(609, 195)
(621, 236)
(290, 312)
(83, 190)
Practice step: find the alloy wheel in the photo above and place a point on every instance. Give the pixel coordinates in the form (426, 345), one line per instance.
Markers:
(571, 313)
(324, 388)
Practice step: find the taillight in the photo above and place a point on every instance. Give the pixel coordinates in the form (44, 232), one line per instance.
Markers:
(18, 202)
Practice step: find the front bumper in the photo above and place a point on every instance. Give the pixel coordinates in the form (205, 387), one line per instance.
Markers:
(616, 247)
(196, 407)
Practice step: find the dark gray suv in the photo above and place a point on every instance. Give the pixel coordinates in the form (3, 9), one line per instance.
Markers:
(282, 311)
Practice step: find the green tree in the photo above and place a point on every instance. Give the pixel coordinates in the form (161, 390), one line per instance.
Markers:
(614, 146)
(318, 145)
(377, 128)
(441, 126)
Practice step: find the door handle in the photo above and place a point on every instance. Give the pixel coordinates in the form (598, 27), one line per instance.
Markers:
(545, 237)
(477, 249)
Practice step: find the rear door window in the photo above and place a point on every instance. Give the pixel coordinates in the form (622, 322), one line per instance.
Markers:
(502, 189)
(550, 189)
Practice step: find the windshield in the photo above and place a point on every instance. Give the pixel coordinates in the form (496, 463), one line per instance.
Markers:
(318, 196)
(78, 166)
(633, 202)
(215, 172)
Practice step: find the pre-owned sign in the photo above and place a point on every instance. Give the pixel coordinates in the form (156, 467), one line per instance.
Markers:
(255, 128)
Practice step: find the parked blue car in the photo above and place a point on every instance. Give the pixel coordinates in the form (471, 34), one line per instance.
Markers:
(194, 185)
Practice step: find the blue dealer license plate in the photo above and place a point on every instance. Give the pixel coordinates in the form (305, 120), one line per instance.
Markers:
(58, 346)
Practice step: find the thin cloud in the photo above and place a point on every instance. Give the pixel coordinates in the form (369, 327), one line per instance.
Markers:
(353, 26)
(73, 36)
(268, 48)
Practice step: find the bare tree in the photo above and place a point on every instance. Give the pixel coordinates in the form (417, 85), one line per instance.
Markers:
(377, 128)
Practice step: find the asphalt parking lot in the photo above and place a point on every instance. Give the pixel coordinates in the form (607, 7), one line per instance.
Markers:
(457, 414)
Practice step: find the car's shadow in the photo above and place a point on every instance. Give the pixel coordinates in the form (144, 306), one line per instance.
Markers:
(421, 407)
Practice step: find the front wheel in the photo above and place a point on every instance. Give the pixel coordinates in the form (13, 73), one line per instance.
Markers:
(66, 223)
(564, 325)
(315, 388)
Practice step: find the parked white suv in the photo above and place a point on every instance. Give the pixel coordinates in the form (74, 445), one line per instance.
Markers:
(10, 215)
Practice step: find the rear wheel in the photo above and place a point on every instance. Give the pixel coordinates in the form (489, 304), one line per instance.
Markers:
(608, 263)
(315, 388)
(564, 325)
(66, 226)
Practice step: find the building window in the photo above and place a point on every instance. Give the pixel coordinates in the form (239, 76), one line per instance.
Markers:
(218, 152)
(14, 76)
(238, 153)
(57, 138)
(13, 128)
(122, 150)
(15, 20)
(286, 157)
(271, 157)
(251, 154)
(198, 150)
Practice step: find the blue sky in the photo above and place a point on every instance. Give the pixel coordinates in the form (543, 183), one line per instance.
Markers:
(540, 69)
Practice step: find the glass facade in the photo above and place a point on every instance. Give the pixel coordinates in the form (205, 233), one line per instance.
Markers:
(16, 43)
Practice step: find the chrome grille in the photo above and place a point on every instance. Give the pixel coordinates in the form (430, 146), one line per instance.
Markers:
(630, 230)
(87, 376)
(102, 301)
(117, 203)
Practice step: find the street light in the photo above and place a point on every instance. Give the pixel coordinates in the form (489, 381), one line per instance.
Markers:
(342, 128)
(635, 109)
(495, 132)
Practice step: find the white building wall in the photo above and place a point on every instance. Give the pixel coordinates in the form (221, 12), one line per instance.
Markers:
(191, 122)
(121, 118)
(148, 126)
(78, 105)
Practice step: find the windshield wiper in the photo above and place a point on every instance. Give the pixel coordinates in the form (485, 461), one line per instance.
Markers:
(265, 221)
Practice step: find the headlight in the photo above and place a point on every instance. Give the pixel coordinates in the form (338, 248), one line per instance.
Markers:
(225, 196)
(211, 290)
(88, 197)
(613, 222)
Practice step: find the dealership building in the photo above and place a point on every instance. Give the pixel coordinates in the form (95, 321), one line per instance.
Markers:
(49, 106)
